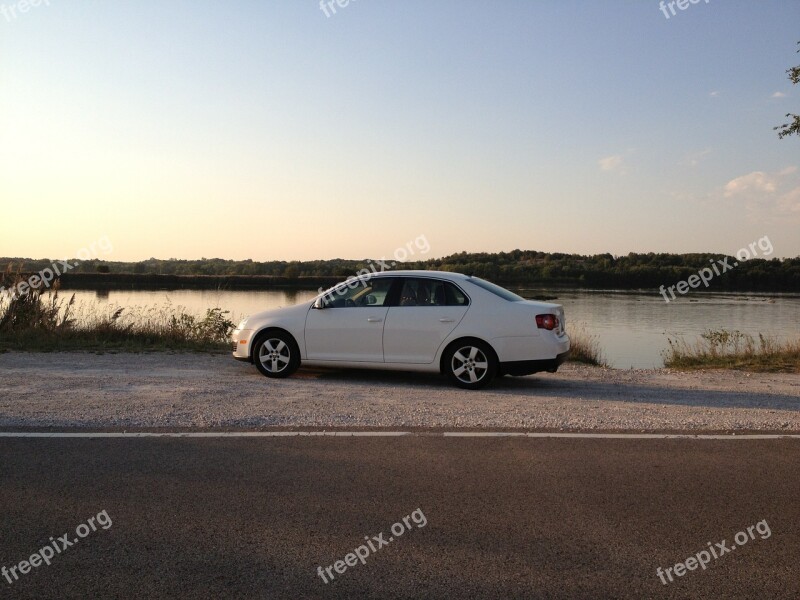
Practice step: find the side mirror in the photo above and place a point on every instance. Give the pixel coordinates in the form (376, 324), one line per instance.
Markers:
(319, 304)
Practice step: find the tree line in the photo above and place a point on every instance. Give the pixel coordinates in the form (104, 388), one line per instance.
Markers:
(517, 268)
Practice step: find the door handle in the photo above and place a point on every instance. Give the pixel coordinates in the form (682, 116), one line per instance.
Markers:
(374, 320)
(446, 320)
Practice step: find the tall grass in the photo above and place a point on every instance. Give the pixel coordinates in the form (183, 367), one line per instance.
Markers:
(724, 349)
(41, 320)
(585, 347)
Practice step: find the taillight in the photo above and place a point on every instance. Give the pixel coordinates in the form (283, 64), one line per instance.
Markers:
(548, 322)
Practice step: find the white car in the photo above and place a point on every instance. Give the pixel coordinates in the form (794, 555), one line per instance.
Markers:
(433, 321)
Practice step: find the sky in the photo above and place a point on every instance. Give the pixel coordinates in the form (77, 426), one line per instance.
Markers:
(276, 130)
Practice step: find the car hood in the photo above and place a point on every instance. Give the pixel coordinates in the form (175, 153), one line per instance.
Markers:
(284, 311)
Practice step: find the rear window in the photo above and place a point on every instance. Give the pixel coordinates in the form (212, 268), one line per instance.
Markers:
(495, 289)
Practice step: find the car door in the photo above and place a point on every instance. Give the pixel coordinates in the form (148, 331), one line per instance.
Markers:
(348, 326)
(427, 311)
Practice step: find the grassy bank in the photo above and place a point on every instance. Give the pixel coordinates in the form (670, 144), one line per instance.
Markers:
(47, 322)
(723, 349)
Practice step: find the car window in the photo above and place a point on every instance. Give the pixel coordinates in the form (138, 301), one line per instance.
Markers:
(359, 293)
(496, 290)
(431, 292)
(454, 296)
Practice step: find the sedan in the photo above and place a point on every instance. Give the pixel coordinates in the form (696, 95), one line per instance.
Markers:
(467, 328)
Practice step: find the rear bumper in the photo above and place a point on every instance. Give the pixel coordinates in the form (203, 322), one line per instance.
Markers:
(528, 367)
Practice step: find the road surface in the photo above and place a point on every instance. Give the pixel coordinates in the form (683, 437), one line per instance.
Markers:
(504, 517)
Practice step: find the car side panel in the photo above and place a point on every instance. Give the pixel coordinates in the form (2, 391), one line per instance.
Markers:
(345, 334)
(414, 334)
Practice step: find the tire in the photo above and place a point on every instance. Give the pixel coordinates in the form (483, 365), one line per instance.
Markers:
(275, 354)
(470, 364)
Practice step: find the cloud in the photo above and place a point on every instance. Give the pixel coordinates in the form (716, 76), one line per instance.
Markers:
(767, 194)
(714, 94)
(756, 182)
(778, 95)
(789, 203)
(611, 163)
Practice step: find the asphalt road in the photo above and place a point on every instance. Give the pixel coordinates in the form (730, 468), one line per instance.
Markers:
(503, 518)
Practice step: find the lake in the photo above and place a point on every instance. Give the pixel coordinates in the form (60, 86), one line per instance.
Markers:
(632, 328)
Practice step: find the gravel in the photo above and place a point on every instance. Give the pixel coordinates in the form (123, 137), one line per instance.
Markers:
(198, 391)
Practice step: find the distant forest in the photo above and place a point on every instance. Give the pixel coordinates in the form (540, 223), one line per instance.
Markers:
(518, 268)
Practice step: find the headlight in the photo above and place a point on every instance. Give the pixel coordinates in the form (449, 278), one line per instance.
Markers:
(242, 323)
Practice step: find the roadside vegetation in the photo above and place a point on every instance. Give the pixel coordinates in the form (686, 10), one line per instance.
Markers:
(42, 321)
(585, 347)
(723, 349)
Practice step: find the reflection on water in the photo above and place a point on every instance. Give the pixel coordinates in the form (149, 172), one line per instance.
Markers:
(632, 328)
(291, 297)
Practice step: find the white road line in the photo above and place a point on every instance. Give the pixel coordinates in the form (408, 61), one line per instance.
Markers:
(629, 436)
(199, 434)
(453, 434)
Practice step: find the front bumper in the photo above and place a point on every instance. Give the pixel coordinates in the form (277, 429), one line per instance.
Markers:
(240, 344)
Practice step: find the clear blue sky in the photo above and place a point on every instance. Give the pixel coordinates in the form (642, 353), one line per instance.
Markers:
(267, 130)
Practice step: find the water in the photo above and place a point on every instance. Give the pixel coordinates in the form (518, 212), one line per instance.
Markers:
(632, 329)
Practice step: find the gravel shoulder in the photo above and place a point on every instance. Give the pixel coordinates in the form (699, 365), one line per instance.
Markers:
(138, 391)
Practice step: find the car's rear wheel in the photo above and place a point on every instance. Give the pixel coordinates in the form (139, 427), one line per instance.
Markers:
(275, 354)
(470, 364)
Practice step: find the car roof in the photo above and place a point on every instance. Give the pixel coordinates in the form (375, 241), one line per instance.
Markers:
(422, 273)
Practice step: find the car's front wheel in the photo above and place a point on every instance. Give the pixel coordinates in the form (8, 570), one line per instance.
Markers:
(275, 354)
(470, 364)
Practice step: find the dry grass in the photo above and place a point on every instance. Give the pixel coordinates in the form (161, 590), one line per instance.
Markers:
(585, 347)
(723, 349)
(41, 320)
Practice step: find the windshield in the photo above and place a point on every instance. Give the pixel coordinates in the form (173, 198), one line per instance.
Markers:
(496, 289)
